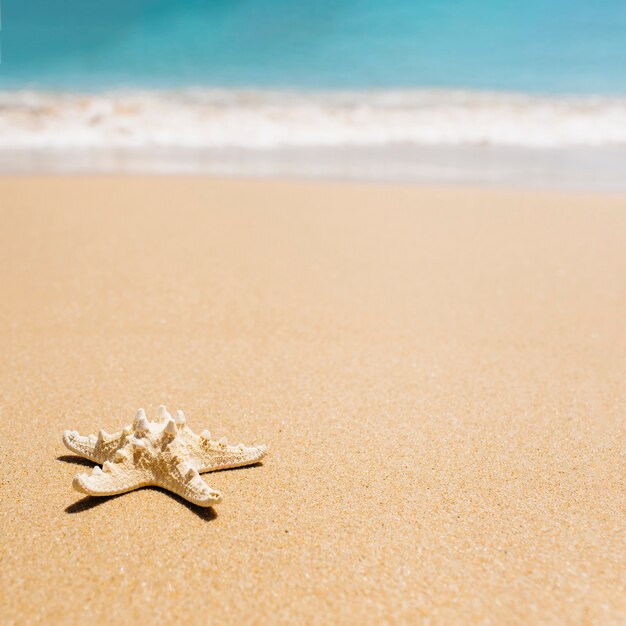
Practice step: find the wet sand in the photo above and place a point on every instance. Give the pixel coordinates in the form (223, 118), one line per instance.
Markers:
(440, 375)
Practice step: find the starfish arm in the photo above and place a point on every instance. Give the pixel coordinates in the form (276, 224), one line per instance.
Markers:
(185, 481)
(111, 480)
(98, 448)
(218, 456)
(82, 446)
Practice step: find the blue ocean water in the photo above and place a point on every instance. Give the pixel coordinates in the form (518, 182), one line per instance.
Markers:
(521, 92)
(535, 46)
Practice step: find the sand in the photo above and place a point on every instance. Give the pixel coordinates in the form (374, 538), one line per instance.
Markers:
(440, 374)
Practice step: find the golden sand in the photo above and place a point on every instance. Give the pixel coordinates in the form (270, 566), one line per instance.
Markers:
(440, 374)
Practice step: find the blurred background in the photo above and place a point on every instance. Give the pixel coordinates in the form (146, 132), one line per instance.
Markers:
(478, 91)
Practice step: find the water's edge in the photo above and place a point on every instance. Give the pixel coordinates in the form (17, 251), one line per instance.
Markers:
(566, 169)
(415, 135)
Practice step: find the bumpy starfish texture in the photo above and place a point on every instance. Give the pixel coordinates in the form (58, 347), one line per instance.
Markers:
(164, 453)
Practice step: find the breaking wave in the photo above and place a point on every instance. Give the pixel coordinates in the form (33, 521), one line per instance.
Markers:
(211, 118)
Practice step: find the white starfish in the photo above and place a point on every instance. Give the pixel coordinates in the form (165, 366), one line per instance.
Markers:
(164, 453)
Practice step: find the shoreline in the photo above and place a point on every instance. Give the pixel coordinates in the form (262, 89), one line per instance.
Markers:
(568, 170)
(418, 136)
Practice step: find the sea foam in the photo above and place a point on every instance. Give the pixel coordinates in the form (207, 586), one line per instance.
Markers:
(201, 118)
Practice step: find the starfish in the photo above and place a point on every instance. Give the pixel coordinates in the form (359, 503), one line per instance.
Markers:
(164, 453)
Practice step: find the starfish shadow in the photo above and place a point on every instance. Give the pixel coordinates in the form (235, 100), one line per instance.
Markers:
(77, 460)
(89, 502)
(207, 513)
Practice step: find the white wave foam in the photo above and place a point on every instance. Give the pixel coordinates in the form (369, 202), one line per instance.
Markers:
(262, 119)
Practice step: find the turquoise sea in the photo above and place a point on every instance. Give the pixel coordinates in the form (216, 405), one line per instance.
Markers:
(259, 75)
(547, 46)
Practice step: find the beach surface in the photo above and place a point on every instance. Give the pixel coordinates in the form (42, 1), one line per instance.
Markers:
(440, 375)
